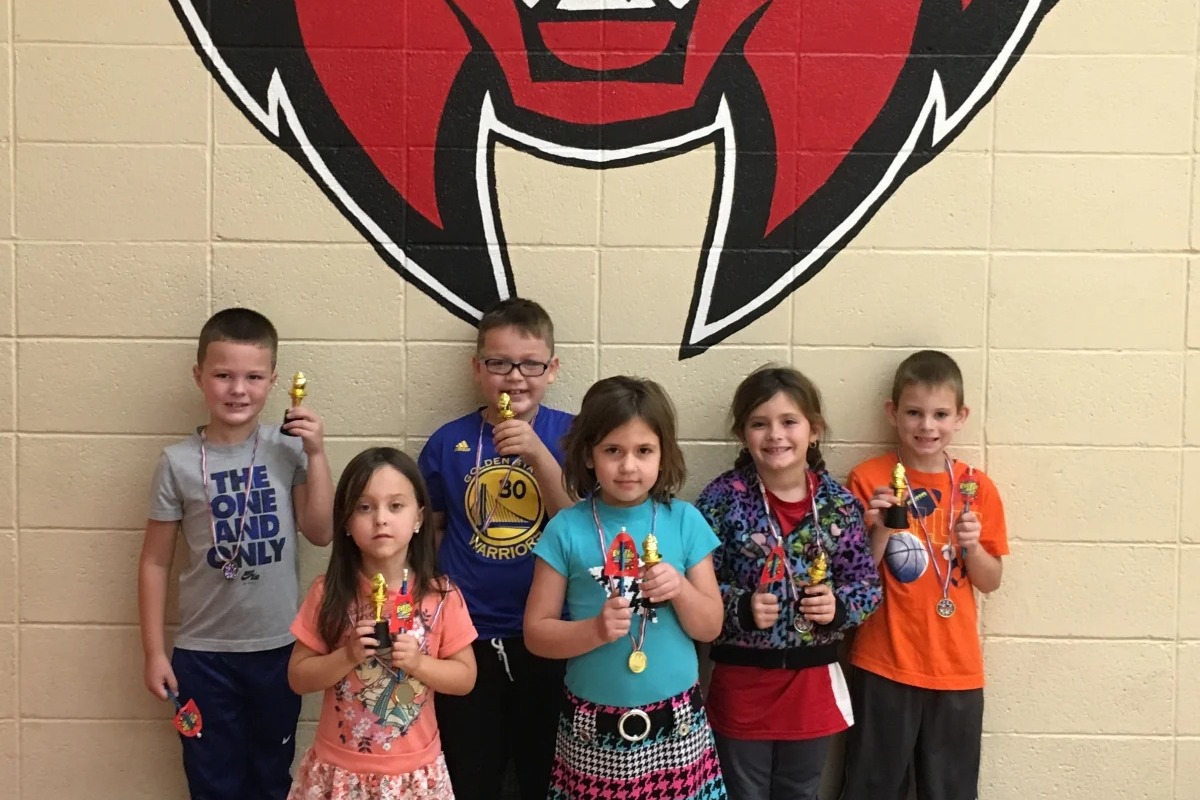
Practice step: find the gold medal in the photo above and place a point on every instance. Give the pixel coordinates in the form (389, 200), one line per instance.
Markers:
(637, 661)
(404, 694)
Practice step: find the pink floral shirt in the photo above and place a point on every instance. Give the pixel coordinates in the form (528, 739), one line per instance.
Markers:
(377, 719)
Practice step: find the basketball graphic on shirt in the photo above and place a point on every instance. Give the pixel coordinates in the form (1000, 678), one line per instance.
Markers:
(906, 557)
(505, 509)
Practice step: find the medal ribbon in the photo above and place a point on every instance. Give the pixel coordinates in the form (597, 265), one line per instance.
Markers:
(943, 580)
(641, 637)
(776, 533)
(479, 492)
(212, 522)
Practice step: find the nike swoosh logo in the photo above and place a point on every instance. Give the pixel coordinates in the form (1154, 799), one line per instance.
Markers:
(286, 739)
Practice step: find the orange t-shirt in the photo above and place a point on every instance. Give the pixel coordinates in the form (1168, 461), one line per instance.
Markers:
(373, 720)
(906, 640)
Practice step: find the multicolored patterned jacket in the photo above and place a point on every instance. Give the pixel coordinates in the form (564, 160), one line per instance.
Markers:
(733, 505)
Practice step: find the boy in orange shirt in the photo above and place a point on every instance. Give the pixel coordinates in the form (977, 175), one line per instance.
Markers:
(918, 688)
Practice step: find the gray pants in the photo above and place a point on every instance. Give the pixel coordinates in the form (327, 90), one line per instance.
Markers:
(771, 769)
(901, 730)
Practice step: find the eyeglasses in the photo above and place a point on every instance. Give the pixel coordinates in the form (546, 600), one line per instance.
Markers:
(502, 366)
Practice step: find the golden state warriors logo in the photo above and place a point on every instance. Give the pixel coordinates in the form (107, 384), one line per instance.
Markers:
(505, 509)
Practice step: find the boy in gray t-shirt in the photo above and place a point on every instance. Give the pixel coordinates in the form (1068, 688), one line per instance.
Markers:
(239, 491)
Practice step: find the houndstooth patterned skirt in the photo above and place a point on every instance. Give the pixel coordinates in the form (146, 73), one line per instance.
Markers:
(676, 760)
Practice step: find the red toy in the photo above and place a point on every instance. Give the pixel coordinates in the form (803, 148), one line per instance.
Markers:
(187, 717)
(773, 568)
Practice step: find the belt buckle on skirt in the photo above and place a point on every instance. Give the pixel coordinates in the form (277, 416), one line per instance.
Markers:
(634, 713)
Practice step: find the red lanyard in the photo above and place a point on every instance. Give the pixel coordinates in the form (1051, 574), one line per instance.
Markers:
(229, 565)
(641, 637)
(479, 490)
(777, 534)
(945, 606)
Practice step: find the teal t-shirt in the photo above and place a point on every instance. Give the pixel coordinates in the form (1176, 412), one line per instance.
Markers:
(571, 546)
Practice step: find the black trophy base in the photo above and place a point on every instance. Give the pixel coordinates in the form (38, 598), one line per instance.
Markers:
(896, 518)
(383, 636)
(283, 430)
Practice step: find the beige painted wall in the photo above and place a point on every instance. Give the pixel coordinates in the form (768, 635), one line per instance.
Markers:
(1050, 250)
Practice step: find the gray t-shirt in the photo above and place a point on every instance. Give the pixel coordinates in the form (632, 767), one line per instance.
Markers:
(254, 610)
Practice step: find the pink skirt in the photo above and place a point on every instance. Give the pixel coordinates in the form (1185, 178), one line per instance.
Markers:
(318, 780)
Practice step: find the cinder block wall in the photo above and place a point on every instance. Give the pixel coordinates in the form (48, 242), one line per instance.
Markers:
(1050, 250)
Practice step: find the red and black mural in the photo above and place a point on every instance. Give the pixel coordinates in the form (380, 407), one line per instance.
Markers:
(818, 110)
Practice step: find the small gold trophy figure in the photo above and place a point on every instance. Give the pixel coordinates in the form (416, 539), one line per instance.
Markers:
(817, 571)
(650, 556)
(896, 517)
(504, 407)
(378, 597)
(297, 391)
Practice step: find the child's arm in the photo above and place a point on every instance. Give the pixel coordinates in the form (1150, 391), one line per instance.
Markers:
(984, 569)
(310, 671)
(744, 610)
(875, 500)
(516, 437)
(697, 600)
(452, 674)
(154, 569)
(550, 483)
(312, 502)
(548, 635)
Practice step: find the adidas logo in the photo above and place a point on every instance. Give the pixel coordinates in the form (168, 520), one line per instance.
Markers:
(462, 447)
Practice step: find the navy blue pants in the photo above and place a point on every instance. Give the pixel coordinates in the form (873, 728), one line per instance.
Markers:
(249, 718)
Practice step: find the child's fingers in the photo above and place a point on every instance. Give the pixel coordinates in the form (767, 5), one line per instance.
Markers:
(617, 599)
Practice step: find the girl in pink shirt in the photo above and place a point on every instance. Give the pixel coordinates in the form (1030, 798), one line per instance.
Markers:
(377, 738)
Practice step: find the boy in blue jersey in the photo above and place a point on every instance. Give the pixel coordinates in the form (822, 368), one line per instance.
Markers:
(493, 485)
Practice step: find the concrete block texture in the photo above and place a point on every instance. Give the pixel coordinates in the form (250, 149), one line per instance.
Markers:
(1050, 248)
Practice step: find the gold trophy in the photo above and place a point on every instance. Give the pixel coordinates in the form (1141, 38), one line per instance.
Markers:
(297, 391)
(896, 517)
(379, 597)
(504, 407)
(650, 550)
(651, 556)
(817, 571)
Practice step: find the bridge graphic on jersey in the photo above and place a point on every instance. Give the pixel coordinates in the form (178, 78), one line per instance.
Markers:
(502, 516)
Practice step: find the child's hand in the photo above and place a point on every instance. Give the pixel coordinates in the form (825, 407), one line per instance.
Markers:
(308, 425)
(515, 437)
(818, 604)
(406, 653)
(967, 530)
(614, 618)
(159, 676)
(883, 499)
(661, 583)
(764, 606)
(362, 644)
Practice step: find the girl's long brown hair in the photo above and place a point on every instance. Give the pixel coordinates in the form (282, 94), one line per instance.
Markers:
(345, 562)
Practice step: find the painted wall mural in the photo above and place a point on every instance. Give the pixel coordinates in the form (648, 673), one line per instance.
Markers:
(818, 110)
